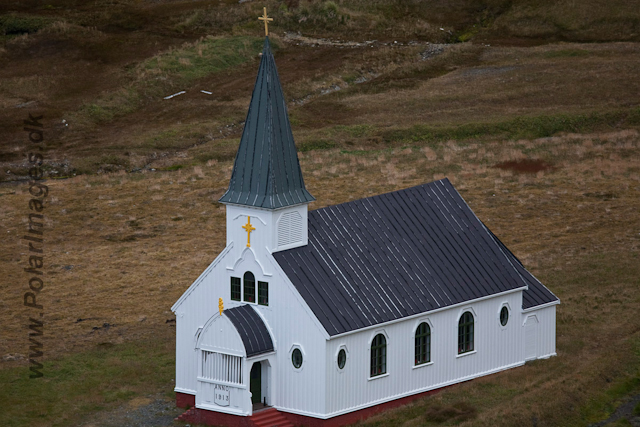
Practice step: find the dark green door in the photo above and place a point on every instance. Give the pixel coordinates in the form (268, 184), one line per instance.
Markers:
(255, 383)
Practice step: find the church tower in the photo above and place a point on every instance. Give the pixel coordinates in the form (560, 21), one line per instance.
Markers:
(267, 201)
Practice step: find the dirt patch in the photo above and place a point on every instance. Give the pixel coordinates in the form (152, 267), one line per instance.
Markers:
(524, 166)
(141, 411)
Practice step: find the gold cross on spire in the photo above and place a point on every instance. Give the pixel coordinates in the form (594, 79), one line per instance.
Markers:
(249, 228)
(266, 20)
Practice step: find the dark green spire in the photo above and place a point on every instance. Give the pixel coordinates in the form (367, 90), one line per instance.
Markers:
(266, 173)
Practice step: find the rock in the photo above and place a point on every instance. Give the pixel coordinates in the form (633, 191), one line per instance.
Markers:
(12, 356)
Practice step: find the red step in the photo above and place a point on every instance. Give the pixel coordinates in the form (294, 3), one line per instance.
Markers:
(270, 418)
(187, 415)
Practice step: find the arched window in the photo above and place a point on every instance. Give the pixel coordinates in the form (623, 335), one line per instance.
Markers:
(378, 355)
(465, 333)
(423, 344)
(249, 287)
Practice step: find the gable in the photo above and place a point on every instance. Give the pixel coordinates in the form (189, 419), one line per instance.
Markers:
(395, 255)
(201, 278)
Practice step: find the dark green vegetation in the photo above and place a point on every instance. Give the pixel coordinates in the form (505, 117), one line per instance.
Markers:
(530, 107)
(77, 386)
(15, 24)
(521, 127)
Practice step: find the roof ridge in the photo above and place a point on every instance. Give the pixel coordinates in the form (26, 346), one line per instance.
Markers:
(443, 180)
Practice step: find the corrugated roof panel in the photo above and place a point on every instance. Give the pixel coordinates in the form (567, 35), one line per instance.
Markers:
(395, 255)
(254, 333)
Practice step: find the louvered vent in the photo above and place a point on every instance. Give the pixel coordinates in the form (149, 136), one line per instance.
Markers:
(289, 229)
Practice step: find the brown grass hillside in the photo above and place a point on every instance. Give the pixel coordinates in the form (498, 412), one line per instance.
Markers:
(530, 108)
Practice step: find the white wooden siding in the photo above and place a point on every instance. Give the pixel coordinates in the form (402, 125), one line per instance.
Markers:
(297, 390)
(496, 348)
(287, 316)
(545, 331)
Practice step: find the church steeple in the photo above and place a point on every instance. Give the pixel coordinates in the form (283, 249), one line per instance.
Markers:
(266, 173)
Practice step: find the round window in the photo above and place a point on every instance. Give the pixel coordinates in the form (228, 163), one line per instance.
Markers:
(504, 316)
(296, 358)
(342, 358)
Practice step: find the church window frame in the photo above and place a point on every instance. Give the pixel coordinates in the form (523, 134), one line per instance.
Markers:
(263, 293)
(236, 289)
(341, 357)
(297, 356)
(249, 287)
(422, 344)
(378, 356)
(466, 333)
(503, 315)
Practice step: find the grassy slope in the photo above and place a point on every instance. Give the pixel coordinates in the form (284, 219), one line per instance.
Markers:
(575, 226)
(85, 383)
(456, 114)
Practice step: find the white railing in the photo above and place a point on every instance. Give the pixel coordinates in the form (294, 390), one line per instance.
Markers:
(221, 367)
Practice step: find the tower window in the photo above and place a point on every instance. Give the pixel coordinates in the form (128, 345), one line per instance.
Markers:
(235, 289)
(249, 287)
(263, 293)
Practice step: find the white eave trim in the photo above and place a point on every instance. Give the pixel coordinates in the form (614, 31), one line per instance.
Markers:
(260, 356)
(413, 316)
(240, 205)
(204, 274)
(541, 306)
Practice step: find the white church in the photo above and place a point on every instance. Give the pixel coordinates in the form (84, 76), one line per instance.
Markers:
(321, 318)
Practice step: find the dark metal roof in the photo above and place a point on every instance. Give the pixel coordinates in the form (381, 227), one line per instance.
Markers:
(254, 333)
(266, 172)
(537, 294)
(390, 256)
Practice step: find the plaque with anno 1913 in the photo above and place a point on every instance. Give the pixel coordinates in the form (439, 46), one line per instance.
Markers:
(221, 395)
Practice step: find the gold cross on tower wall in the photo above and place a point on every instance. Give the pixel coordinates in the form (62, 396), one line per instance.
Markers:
(266, 20)
(249, 228)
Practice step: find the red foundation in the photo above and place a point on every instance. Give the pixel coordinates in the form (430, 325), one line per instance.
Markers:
(201, 416)
(184, 400)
